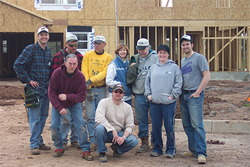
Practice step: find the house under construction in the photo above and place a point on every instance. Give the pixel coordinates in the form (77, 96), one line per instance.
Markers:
(219, 28)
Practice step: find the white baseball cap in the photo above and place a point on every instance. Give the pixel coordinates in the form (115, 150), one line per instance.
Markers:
(42, 29)
(142, 44)
(71, 37)
(99, 39)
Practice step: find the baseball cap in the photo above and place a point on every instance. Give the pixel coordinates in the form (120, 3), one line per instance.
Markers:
(99, 39)
(186, 38)
(164, 47)
(142, 44)
(71, 38)
(118, 86)
(42, 29)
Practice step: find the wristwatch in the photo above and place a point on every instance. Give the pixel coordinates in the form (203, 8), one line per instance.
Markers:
(124, 137)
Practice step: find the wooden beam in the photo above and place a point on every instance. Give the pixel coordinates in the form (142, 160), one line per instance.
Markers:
(131, 39)
(216, 61)
(239, 65)
(194, 23)
(140, 33)
(225, 46)
(155, 37)
(230, 50)
(223, 53)
(224, 38)
(248, 50)
(171, 41)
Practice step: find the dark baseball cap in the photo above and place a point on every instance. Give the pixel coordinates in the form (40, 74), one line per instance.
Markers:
(118, 86)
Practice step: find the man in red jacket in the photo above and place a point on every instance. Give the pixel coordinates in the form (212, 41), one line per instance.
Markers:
(67, 90)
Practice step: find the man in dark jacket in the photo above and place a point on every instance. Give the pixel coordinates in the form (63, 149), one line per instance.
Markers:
(59, 59)
(67, 90)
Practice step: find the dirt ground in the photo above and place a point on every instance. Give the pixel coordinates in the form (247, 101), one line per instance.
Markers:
(224, 100)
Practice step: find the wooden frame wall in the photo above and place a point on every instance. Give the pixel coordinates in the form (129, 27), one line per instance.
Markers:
(225, 47)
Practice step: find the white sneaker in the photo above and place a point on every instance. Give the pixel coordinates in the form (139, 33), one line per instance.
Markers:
(201, 159)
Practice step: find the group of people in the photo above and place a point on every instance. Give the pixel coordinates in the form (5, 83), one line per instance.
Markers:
(68, 79)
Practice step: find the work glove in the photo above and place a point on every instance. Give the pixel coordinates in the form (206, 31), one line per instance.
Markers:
(90, 95)
(88, 82)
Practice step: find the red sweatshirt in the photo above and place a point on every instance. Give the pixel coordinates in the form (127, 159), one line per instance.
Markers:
(75, 88)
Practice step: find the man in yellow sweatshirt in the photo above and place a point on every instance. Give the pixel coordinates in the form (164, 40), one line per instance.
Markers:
(94, 68)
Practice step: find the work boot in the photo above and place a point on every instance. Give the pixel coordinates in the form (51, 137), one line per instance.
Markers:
(103, 157)
(93, 147)
(35, 151)
(115, 152)
(86, 155)
(144, 146)
(75, 144)
(44, 147)
(58, 152)
(187, 154)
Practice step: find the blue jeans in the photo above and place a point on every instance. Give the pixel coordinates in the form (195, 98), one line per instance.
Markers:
(141, 113)
(102, 137)
(90, 108)
(192, 120)
(37, 119)
(76, 113)
(167, 113)
(67, 124)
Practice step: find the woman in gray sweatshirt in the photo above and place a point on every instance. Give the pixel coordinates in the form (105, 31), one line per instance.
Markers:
(162, 88)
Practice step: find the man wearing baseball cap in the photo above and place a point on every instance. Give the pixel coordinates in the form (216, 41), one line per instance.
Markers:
(196, 75)
(59, 58)
(94, 68)
(114, 124)
(136, 75)
(33, 67)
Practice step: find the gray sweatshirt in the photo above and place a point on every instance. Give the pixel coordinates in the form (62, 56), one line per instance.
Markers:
(163, 81)
(143, 66)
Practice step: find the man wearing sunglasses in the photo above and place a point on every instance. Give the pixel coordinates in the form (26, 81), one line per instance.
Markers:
(114, 124)
(94, 68)
(59, 59)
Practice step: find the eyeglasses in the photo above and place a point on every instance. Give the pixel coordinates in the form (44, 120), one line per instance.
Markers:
(73, 45)
(118, 91)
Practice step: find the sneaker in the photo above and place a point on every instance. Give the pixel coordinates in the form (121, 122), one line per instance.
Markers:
(86, 155)
(35, 151)
(44, 147)
(75, 144)
(201, 159)
(187, 154)
(65, 147)
(93, 147)
(58, 152)
(155, 154)
(103, 157)
(115, 152)
(169, 156)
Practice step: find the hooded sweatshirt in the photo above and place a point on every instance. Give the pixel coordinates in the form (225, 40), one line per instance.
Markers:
(143, 66)
(74, 87)
(163, 81)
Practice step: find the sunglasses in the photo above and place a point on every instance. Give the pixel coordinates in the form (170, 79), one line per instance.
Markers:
(118, 91)
(73, 45)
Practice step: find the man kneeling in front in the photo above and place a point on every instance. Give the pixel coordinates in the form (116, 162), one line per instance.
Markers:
(114, 124)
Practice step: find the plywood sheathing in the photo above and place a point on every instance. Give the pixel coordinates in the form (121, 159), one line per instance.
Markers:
(10, 16)
(17, 20)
